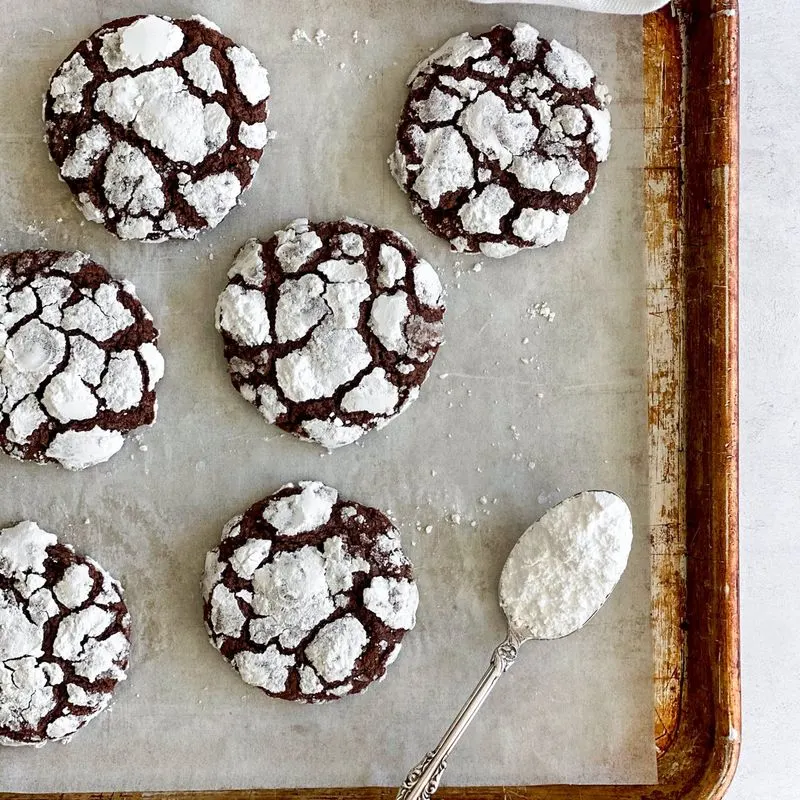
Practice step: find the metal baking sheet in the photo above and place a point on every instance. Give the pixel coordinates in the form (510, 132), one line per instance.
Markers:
(519, 423)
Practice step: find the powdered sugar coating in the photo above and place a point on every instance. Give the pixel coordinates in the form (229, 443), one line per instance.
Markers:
(309, 596)
(78, 359)
(157, 125)
(330, 328)
(64, 637)
(564, 566)
(498, 130)
(302, 512)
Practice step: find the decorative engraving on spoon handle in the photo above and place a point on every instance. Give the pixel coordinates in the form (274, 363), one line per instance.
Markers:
(414, 786)
(423, 780)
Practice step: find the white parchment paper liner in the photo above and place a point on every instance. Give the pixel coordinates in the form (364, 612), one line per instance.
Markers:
(522, 424)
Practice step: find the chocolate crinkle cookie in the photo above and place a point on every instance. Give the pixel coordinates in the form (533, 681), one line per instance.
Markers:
(157, 125)
(309, 596)
(78, 359)
(499, 140)
(330, 328)
(64, 637)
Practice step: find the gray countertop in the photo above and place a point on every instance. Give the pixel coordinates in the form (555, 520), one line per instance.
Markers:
(770, 399)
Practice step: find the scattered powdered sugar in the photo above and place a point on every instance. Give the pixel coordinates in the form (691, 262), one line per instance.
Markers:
(564, 566)
(320, 38)
(540, 309)
(39, 701)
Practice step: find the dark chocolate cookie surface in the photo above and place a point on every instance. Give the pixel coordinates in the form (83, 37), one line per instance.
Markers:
(64, 637)
(309, 596)
(500, 140)
(157, 125)
(78, 359)
(330, 328)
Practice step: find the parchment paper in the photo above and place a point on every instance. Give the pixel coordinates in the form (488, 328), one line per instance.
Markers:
(488, 424)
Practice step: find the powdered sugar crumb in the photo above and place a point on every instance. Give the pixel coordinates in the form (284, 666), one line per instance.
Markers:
(541, 309)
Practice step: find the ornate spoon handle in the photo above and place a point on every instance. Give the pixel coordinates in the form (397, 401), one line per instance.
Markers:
(423, 780)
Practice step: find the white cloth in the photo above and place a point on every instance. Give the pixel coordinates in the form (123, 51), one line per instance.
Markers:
(606, 6)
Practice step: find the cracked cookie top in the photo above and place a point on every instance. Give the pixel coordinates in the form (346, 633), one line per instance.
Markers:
(157, 125)
(330, 328)
(78, 359)
(500, 139)
(309, 596)
(64, 637)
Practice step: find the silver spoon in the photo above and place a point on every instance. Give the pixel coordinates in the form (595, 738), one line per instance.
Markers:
(558, 575)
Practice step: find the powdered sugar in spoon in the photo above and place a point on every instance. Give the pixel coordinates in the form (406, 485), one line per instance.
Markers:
(558, 575)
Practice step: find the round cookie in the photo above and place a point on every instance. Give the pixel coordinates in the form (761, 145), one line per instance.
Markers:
(330, 328)
(64, 637)
(500, 139)
(157, 125)
(309, 596)
(78, 359)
